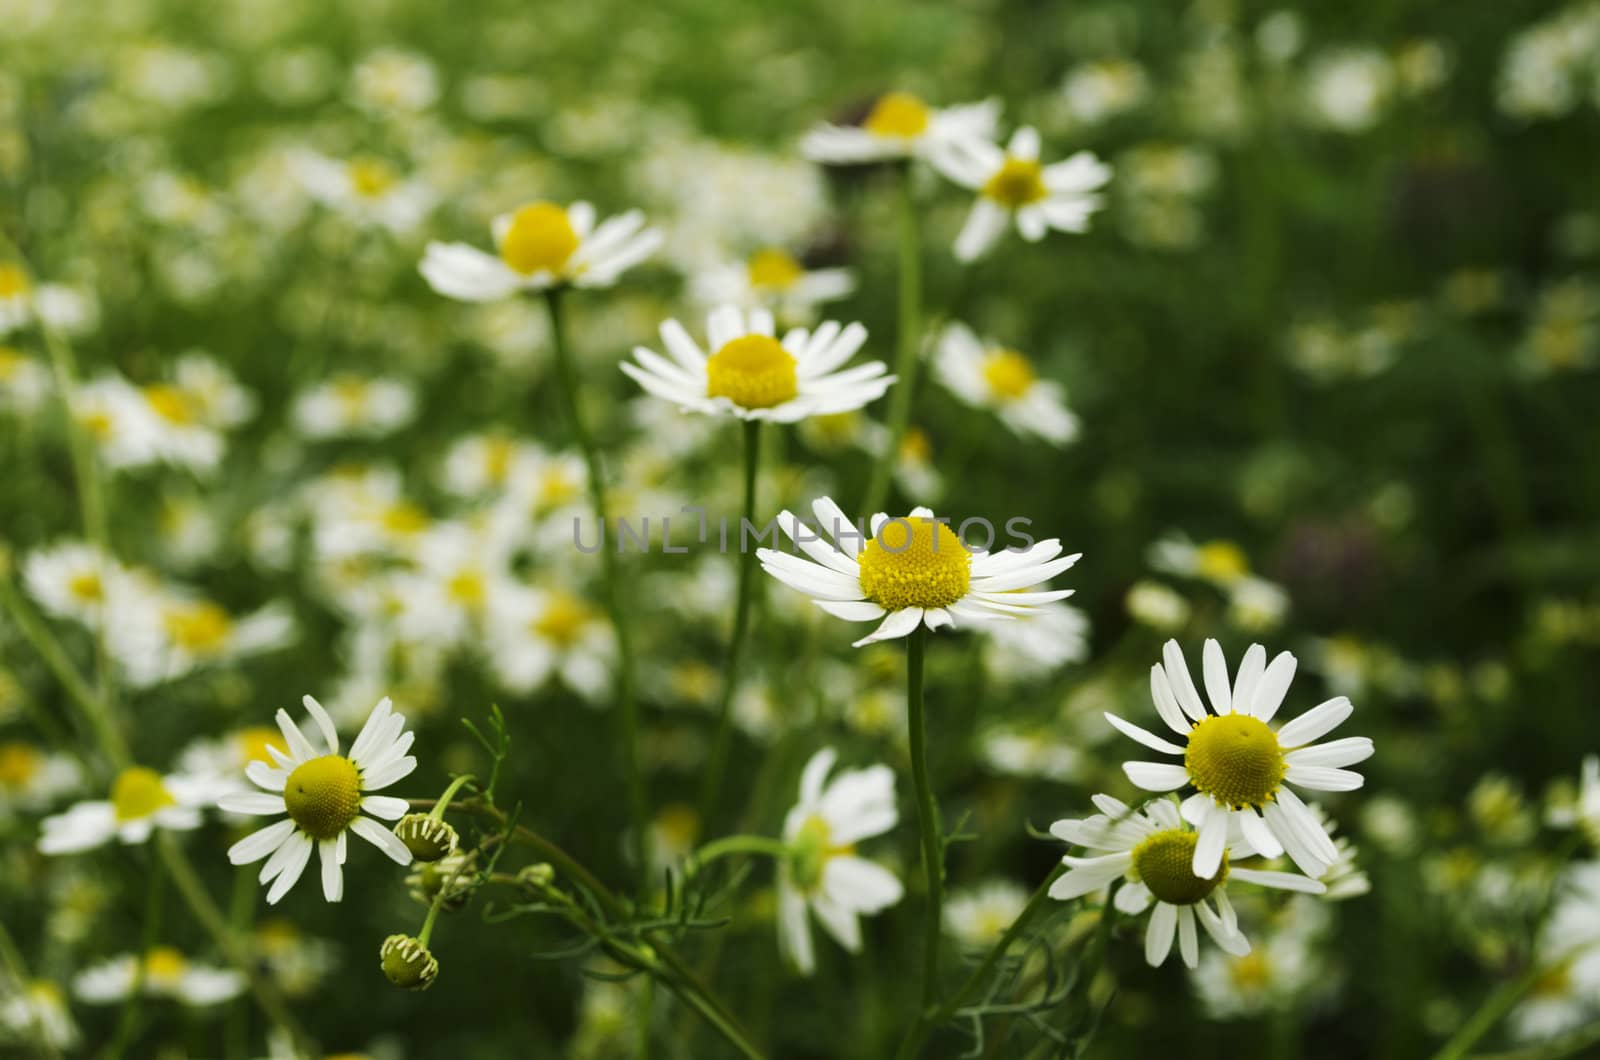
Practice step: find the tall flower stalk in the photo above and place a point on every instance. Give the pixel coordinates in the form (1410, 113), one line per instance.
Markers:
(627, 701)
(717, 763)
(908, 343)
(927, 816)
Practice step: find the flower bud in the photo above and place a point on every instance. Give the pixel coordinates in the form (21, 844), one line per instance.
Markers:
(407, 963)
(427, 839)
(537, 876)
(453, 875)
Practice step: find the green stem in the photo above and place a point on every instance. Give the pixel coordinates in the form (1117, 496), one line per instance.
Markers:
(1495, 1006)
(17, 969)
(908, 341)
(717, 763)
(638, 805)
(1570, 1044)
(128, 1019)
(919, 1030)
(437, 813)
(927, 816)
(736, 844)
(49, 649)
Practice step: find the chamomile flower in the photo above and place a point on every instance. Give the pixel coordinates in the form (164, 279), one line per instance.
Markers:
(538, 633)
(912, 571)
(773, 278)
(37, 1010)
(167, 973)
(1013, 185)
(1239, 765)
(752, 375)
(1565, 996)
(323, 793)
(74, 580)
(979, 915)
(365, 188)
(31, 777)
(1038, 644)
(24, 381)
(821, 872)
(538, 246)
(351, 405)
(987, 375)
(1154, 851)
(141, 800)
(899, 125)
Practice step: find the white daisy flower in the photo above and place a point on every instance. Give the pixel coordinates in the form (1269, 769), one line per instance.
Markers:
(24, 381)
(899, 125)
(538, 246)
(141, 801)
(349, 405)
(179, 435)
(913, 570)
(752, 375)
(536, 633)
(978, 916)
(57, 306)
(164, 634)
(366, 189)
(1036, 645)
(1565, 996)
(987, 375)
(74, 580)
(1240, 767)
(37, 1009)
(1153, 850)
(167, 973)
(1012, 184)
(116, 416)
(323, 794)
(214, 394)
(821, 872)
(775, 279)
(31, 777)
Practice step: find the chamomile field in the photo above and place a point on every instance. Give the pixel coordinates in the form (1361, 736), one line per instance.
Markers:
(971, 529)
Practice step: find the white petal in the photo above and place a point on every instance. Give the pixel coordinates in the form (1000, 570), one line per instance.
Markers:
(382, 777)
(1188, 940)
(1324, 778)
(1214, 668)
(299, 746)
(264, 776)
(382, 838)
(1158, 936)
(1249, 675)
(1144, 736)
(371, 731)
(860, 884)
(299, 846)
(851, 610)
(839, 921)
(899, 624)
(330, 735)
(1213, 839)
(260, 843)
(1166, 703)
(1315, 723)
(332, 875)
(1283, 881)
(385, 806)
(1273, 686)
(1257, 834)
(1182, 684)
(1156, 776)
(252, 802)
(1345, 752)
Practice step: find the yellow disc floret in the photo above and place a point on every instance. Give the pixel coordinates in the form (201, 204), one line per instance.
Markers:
(810, 850)
(752, 371)
(170, 403)
(1235, 759)
(252, 744)
(773, 270)
(19, 763)
(138, 792)
(1008, 373)
(370, 177)
(539, 239)
(898, 114)
(323, 796)
(1221, 561)
(915, 562)
(564, 619)
(1018, 182)
(1164, 863)
(13, 281)
(164, 965)
(200, 627)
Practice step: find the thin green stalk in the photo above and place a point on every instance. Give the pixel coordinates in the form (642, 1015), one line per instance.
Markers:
(437, 813)
(1494, 1007)
(566, 373)
(927, 817)
(919, 1030)
(17, 969)
(717, 763)
(736, 844)
(128, 1019)
(1570, 1044)
(908, 342)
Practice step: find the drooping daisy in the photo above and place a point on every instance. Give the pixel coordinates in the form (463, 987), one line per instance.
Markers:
(913, 570)
(167, 973)
(538, 246)
(899, 125)
(323, 794)
(1153, 850)
(1241, 767)
(775, 279)
(1012, 184)
(821, 871)
(141, 801)
(989, 376)
(752, 375)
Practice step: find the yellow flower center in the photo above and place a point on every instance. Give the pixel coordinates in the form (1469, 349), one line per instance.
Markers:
(19, 763)
(556, 486)
(13, 281)
(753, 372)
(1221, 561)
(540, 239)
(773, 270)
(252, 744)
(1235, 759)
(97, 422)
(371, 177)
(898, 114)
(1018, 182)
(164, 964)
(10, 360)
(170, 403)
(277, 936)
(467, 588)
(1250, 972)
(403, 517)
(810, 850)
(1164, 863)
(199, 627)
(86, 586)
(323, 796)
(1008, 373)
(915, 562)
(678, 825)
(914, 446)
(138, 792)
(497, 453)
(564, 619)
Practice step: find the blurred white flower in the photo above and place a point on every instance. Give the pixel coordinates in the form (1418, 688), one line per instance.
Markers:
(900, 125)
(350, 405)
(990, 376)
(1097, 91)
(821, 872)
(977, 916)
(32, 778)
(141, 801)
(367, 189)
(774, 279)
(1158, 606)
(1035, 645)
(534, 633)
(24, 381)
(393, 81)
(167, 973)
(539, 246)
(37, 1010)
(1347, 90)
